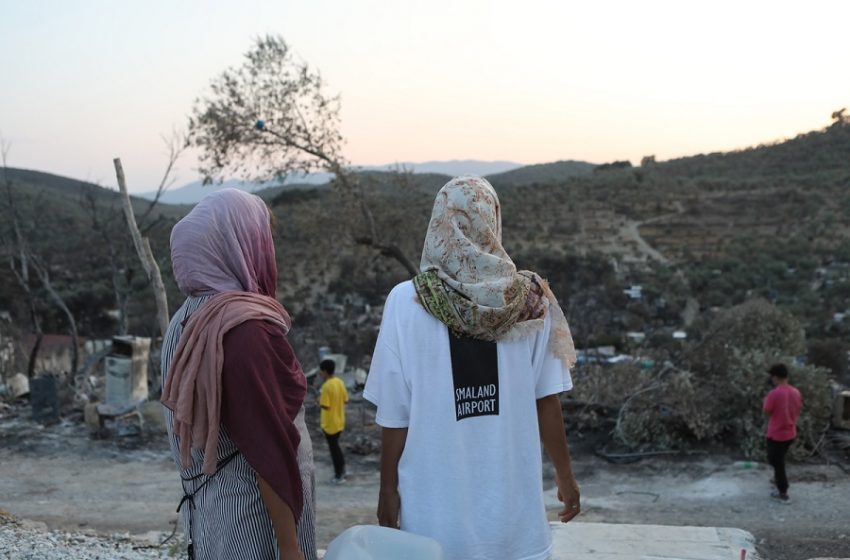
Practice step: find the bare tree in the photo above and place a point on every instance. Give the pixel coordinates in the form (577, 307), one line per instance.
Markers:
(175, 145)
(116, 236)
(107, 228)
(21, 259)
(17, 256)
(43, 275)
(19, 266)
(270, 118)
(143, 249)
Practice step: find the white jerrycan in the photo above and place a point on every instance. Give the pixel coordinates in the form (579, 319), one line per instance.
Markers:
(371, 542)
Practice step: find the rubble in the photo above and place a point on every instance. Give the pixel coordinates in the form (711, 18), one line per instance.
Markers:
(364, 444)
(153, 419)
(29, 540)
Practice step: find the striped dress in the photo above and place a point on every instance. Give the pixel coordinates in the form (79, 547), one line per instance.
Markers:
(226, 517)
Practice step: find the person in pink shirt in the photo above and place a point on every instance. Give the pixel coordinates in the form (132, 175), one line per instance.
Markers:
(782, 406)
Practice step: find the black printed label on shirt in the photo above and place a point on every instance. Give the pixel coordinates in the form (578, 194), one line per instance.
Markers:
(475, 371)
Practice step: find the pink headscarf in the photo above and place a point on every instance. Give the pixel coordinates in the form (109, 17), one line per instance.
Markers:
(225, 244)
(224, 247)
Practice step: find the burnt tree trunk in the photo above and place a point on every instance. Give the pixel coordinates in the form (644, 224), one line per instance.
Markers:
(143, 249)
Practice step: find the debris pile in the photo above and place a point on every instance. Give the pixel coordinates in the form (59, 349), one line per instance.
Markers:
(109, 392)
(31, 540)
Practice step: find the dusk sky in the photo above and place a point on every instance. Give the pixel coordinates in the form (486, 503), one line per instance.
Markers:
(535, 81)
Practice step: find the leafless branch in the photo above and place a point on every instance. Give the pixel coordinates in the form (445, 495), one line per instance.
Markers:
(176, 145)
(44, 276)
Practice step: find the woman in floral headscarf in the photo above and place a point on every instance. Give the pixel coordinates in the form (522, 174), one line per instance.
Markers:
(233, 390)
(470, 359)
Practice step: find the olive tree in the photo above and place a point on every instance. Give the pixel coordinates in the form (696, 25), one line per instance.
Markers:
(271, 117)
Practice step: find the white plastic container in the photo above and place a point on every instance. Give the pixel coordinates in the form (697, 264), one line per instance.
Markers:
(127, 370)
(18, 386)
(118, 380)
(371, 542)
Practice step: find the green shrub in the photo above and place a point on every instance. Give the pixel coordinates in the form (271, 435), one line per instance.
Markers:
(719, 395)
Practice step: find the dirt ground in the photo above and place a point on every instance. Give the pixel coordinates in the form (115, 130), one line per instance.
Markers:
(66, 479)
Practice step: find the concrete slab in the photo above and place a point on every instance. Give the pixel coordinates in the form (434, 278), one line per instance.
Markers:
(607, 541)
(610, 541)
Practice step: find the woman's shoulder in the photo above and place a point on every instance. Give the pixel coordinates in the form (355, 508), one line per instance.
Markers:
(401, 295)
(401, 288)
(256, 333)
(259, 326)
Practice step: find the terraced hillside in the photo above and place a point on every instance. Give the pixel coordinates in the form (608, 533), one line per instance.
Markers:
(771, 221)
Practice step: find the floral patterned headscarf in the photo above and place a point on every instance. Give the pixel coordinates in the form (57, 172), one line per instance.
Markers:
(470, 283)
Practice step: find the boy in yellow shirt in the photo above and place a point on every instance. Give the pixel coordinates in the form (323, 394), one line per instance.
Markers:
(332, 399)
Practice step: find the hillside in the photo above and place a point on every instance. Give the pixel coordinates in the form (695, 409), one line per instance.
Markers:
(811, 153)
(698, 233)
(542, 174)
(66, 191)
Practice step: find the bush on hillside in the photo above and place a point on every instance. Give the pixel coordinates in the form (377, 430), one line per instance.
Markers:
(719, 396)
(731, 363)
(830, 354)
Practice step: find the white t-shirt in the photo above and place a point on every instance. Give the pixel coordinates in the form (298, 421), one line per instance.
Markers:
(474, 484)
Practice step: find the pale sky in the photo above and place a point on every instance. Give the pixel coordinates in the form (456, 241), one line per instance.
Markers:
(531, 81)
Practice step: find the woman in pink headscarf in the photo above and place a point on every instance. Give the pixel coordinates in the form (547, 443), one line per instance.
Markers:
(233, 390)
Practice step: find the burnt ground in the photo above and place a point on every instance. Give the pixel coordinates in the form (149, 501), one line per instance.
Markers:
(61, 476)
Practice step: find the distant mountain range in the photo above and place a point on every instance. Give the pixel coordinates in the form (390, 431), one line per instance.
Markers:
(453, 168)
(193, 192)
